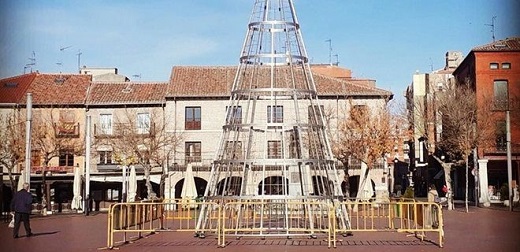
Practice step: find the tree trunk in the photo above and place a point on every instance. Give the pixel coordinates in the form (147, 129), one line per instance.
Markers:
(149, 189)
(447, 180)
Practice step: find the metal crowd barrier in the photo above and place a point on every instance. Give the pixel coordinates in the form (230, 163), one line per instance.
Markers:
(416, 218)
(276, 217)
(135, 217)
(273, 218)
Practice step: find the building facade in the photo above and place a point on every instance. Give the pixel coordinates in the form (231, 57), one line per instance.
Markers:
(190, 109)
(494, 73)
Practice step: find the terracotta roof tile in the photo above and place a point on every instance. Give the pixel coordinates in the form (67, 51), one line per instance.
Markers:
(115, 93)
(58, 89)
(508, 44)
(14, 88)
(211, 81)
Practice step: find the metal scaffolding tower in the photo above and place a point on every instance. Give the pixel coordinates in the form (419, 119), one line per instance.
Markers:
(274, 146)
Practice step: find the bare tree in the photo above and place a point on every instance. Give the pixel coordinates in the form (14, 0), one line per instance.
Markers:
(142, 138)
(365, 135)
(52, 137)
(464, 126)
(12, 144)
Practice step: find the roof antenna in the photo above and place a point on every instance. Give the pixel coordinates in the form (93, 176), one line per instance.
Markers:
(330, 50)
(79, 60)
(431, 64)
(492, 27)
(337, 59)
(32, 62)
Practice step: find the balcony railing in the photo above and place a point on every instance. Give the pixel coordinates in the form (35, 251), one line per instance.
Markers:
(502, 149)
(53, 169)
(122, 129)
(67, 129)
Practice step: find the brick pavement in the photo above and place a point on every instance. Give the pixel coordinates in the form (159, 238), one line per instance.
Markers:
(479, 230)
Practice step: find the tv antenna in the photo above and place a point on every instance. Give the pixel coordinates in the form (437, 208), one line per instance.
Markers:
(431, 64)
(79, 60)
(337, 59)
(32, 62)
(60, 63)
(492, 27)
(330, 50)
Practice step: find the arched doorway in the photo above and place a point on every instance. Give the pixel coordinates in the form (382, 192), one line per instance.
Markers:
(354, 185)
(321, 185)
(273, 186)
(229, 186)
(200, 184)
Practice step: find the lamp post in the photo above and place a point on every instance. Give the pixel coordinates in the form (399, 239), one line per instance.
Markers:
(509, 166)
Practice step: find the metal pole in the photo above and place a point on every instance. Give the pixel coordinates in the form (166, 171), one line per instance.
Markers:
(123, 194)
(87, 164)
(509, 166)
(28, 126)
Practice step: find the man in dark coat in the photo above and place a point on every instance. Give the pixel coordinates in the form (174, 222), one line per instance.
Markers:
(22, 206)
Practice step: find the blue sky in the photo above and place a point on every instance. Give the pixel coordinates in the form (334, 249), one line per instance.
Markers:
(383, 40)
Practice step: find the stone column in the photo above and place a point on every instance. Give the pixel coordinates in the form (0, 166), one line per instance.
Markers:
(483, 182)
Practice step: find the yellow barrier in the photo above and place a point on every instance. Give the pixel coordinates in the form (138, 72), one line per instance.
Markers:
(133, 218)
(151, 217)
(276, 218)
(403, 216)
(273, 217)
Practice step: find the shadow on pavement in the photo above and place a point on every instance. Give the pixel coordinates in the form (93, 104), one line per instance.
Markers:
(45, 233)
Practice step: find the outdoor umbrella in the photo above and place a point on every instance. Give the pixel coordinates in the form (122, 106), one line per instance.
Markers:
(189, 191)
(365, 190)
(76, 190)
(21, 180)
(132, 185)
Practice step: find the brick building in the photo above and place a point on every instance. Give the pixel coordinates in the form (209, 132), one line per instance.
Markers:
(493, 70)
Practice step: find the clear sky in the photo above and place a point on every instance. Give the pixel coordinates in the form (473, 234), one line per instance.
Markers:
(385, 40)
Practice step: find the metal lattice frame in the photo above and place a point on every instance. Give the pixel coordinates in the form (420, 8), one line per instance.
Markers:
(273, 145)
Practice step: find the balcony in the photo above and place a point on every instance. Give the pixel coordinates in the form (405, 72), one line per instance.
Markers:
(66, 130)
(119, 130)
(53, 169)
(501, 149)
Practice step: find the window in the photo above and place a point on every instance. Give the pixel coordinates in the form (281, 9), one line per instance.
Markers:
(105, 157)
(66, 158)
(500, 135)
(192, 118)
(500, 94)
(493, 65)
(233, 150)
(143, 123)
(192, 152)
(274, 149)
(105, 120)
(234, 116)
(36, 158)
(506, 65)
(274, 114)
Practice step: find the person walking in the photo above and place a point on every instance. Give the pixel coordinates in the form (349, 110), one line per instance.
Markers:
(22, 206)
(433, 196)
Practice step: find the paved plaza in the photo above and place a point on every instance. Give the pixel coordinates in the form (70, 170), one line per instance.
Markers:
(480, 230)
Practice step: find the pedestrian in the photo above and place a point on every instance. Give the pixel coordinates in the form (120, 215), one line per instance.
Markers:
(433, 196)
(22, 206)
